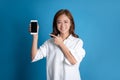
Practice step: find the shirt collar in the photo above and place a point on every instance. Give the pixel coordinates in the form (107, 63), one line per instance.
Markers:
(70, 37)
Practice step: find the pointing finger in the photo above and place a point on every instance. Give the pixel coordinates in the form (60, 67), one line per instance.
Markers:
(53, 35)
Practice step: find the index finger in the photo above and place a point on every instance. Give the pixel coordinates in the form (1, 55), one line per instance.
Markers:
(53, 35)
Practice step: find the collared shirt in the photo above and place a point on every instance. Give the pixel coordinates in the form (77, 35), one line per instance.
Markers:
(58, 66)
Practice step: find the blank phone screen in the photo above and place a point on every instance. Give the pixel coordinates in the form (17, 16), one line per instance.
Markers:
(34, 27)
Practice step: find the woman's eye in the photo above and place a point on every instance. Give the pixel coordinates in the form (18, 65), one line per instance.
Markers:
(58, 22)
(66, 22)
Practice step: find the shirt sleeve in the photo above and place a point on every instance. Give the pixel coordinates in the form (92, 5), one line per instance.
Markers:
(42, 51)
(78, 52)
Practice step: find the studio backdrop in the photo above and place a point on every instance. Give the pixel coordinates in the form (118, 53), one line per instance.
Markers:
(97, 22)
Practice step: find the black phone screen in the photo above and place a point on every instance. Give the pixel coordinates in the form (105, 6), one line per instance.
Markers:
(34, 27)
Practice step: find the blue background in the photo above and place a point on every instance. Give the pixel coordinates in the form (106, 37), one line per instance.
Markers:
(97, 23)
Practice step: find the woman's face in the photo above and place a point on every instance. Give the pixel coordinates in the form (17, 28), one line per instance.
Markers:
(63, 24)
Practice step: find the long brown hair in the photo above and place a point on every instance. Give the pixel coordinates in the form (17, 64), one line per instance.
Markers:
(69, 15)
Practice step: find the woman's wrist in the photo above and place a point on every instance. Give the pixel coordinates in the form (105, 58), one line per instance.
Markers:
(61, 45)
(35, 36)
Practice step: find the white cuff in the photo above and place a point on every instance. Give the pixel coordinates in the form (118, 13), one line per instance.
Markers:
(37, 57)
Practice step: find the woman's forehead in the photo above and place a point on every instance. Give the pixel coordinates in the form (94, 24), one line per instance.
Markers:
(63, 17)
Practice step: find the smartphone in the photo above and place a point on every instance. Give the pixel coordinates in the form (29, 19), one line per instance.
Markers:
(34, 24)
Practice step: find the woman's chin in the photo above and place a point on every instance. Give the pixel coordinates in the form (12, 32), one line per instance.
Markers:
(63, 32)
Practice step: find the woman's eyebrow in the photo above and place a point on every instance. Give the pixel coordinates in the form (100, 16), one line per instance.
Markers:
(58, 20)
(62, 20)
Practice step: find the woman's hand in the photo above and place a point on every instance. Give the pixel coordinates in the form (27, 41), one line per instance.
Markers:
(57, 39)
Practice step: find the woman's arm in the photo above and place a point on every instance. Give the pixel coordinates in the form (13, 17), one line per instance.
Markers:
(67, 54)
(59, 41)
(34, 42)
(34, 46)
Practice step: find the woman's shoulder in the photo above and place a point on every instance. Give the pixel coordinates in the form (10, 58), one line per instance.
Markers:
(76, 39)
(50, 40)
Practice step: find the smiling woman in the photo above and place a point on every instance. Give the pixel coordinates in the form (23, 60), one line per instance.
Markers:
(97, 22)
(64, 51)
(63, 24)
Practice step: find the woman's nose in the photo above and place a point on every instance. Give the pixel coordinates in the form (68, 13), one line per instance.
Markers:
(62, 24)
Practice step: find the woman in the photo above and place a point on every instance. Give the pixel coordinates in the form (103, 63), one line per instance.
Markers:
(64, 51)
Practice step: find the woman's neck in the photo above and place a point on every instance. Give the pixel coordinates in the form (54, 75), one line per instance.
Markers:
(64, 36)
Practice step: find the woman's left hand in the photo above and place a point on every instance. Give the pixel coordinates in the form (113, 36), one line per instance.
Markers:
(57, 39)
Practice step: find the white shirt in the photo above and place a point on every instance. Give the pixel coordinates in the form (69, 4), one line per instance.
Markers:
(58, 67)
